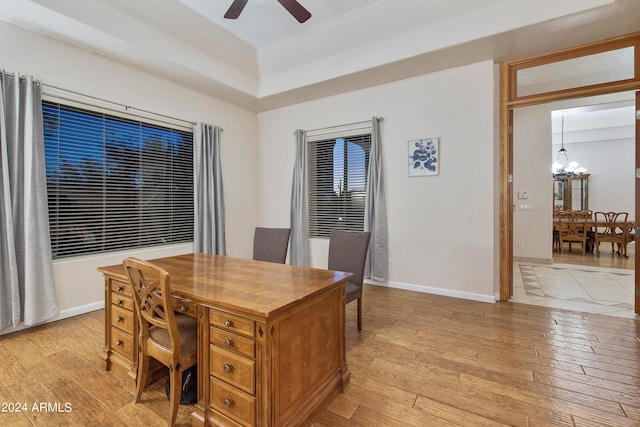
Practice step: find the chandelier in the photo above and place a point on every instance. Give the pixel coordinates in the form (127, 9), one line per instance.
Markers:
(563, 167)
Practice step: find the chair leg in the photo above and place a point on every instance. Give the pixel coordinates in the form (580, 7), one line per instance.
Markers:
(141, 377)
(175, 388)
(360, 313)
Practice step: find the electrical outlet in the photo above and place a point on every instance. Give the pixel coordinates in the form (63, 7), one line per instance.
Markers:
(520, 244)
(392, 263)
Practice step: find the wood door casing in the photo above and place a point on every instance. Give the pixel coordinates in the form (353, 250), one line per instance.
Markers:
(637, 214)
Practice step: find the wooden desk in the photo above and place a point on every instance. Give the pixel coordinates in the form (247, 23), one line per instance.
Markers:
(271, 349)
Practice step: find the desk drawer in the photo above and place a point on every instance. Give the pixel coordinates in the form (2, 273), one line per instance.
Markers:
(233, 403)
(121, 287)
(120, 300)
(184, 306)
(233, 323)
(122, 343)
(233, 342)
(122, 319)
(233, 369)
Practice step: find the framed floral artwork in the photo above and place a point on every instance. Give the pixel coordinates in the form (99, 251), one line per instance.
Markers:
(424, 157)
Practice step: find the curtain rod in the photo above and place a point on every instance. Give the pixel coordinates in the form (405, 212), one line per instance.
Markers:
(126, 107)
(346, 124)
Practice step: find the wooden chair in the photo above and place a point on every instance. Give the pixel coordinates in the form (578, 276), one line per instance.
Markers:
(556, 230)
(591, 235)
(629, 237)
(348, 252)
(612, 227)
(168, 337)
(572, 228)
(270, 244)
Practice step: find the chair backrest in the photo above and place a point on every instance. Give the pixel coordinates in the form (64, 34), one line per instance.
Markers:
(270, 244)
(152, 298)
(348, 252)
(608, 221)
(587, 214)
(576, 224)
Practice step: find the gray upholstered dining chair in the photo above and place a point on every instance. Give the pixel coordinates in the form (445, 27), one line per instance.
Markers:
(348, 252)
(168, 337)
(270, 244)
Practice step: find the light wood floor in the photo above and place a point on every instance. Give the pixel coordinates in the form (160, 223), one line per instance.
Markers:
(607, 258)
(420, 360)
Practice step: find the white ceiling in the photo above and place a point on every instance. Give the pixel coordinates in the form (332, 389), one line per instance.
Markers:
(266, 59)
(263, 22)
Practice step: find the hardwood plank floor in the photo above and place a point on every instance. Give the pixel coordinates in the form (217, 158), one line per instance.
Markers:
(420, 360)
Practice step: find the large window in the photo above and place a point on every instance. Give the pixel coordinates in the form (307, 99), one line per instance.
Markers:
(337, 182)
(115, 183)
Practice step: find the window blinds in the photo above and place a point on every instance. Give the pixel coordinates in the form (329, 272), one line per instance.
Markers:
(115, 183)
(337, 176)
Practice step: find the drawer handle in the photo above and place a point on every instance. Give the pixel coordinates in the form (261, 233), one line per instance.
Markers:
(119, 319)
(118, 342)
(228, 402)
(228, 323)
(228, 367)
(228, 342)
(119, 288)
(184, 309)
(120, 302)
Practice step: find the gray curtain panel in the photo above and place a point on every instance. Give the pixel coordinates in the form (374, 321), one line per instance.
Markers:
(299, 220)
(208, 233)
(26, 271)
(375, 215)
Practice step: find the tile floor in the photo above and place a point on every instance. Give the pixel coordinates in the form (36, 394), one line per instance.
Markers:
(575, 287)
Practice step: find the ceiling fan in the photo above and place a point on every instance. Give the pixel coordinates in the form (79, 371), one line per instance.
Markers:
(296, 9)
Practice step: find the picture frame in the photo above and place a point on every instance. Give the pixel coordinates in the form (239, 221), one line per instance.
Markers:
(424, 157)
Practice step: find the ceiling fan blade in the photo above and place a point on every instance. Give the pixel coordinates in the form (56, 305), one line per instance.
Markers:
(296, 9)
(235, 9)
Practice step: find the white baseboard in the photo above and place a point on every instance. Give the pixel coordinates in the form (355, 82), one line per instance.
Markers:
(530, 260)
(435, 291)
(75, 311)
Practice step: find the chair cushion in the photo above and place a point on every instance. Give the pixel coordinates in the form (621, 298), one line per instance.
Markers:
(187, 329)
(353, 291)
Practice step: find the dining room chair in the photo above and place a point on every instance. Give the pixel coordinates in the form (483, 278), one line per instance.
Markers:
(270, 244)
(573, 228)
(556, 229)
(630, 236)
(348, 252)
(169, 337)
(591, 235)
(611, 227)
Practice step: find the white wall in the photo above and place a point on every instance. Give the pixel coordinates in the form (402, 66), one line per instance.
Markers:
(433, 246)
(78, 285)
(532, 174)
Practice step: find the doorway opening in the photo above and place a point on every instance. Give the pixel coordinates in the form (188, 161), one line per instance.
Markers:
(550, 78)
(599, 134)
